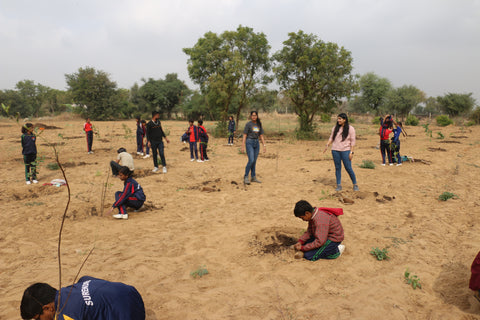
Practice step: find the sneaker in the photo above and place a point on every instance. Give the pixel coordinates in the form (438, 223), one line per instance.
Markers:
(206, 160)
(155, 169)
(355, 187)
(399, 164)
(383, 164)
(121, 216)
(192, 159)
(339, 188)
(138, 152)
(35, 181)
(254, 179)
(391, 164)
(90, 152)
(146, 156)
(28, 182)
(341, 248)
(164, 169)
(199, 160)
(246, 181)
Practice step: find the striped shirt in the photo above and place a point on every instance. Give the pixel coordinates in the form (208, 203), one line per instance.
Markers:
(323, 226)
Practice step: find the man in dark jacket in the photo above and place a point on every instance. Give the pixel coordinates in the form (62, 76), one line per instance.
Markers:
(155, 137)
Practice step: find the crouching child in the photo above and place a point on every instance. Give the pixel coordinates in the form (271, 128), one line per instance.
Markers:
(132, 195)
(324, 234)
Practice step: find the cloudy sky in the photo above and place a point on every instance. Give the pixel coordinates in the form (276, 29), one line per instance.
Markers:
(431, 44)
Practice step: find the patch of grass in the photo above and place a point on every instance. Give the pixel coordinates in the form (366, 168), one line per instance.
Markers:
(447, 195)
(52, 166)
(440, 135)
(325, 195)
(412, 279)
(98, 173)
(200, 272)
(367, 164)
(380, 254)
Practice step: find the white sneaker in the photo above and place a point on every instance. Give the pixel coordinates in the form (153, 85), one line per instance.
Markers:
(391, 164)
(192, 159)
(199, 160)
(146, 156)
(28, 182)
(138, 152)
(164, 169)
(121, 216)
(141, 153)
(341, 248)
(206, 160)
(35, 181)
(383, 164)
(399, 164)
(155, 169)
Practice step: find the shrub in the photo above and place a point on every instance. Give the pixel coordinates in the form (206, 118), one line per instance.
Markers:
(412, 279)
(380, 254)
(447, 195)
(53, 166)
(325, 118)
(367, 164)
(412, 120)
(475, 116)
(443, 120)
(200, 272)
(221, 129)
(376, 120)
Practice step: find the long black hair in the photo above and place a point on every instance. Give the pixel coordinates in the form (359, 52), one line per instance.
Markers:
(346, 127)
(258, 118)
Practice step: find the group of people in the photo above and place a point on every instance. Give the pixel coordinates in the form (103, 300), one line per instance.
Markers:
(390, 145)
(196, 134)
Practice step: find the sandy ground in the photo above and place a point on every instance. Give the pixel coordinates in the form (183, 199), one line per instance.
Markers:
(201, 215)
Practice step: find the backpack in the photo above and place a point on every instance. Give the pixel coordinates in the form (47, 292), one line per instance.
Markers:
(139, 193)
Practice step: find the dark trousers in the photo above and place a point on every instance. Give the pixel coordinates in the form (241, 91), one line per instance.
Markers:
(157, 146)
(230, 137)
(385, 149)
(328, 251)
(115, 167)
(30, 166)
(89, 140)
(396, 152)
(193, 148)
(203, 150)
(139, 143)
(136, 204)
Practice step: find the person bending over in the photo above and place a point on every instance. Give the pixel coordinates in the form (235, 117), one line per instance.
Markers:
(324, 235)
(89, 298)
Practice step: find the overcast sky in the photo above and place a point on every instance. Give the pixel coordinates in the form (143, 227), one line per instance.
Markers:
(431, 44)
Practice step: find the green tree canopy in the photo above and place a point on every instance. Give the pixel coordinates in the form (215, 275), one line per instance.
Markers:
(314, 75)
(373, 91)
(455, 104)
(404, 99)
(228, 67)
(95, 90)
(161, 95)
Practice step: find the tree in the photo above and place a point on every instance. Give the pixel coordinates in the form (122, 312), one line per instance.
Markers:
(228, 67)
(402, 100)
(455, 104)
(95, 90)
(162, 95)
(373, 91)
(314, 75)
(264, 99)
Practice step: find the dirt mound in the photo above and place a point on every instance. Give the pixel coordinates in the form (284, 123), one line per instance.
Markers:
(275, 241)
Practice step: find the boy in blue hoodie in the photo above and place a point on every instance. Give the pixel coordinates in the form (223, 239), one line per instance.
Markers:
(29, 151)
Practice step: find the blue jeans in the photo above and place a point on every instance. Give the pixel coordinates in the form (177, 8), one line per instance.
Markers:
(193, 148)
(338, 158)
(252, 147)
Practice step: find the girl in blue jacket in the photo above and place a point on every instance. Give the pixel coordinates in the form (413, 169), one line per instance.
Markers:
(29, 151)
(132, 195)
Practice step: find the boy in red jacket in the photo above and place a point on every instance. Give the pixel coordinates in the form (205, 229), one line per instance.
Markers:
(324, 234)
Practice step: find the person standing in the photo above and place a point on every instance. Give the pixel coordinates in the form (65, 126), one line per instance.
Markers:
(155, 137)
(88, 129)
(252, 132)
(140, 135)
(192, 133)
(29, 152)
(203, 137)
(147, 149)
(231, 130)
(342, 140)
(384, 132)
